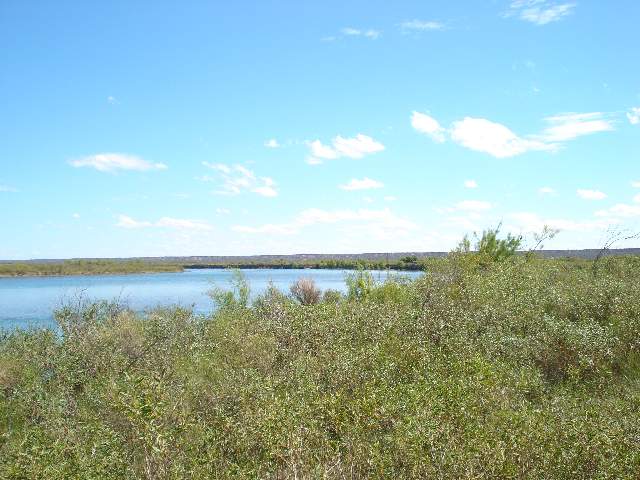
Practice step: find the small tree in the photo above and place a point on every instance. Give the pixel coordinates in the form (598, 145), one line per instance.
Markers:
(305, 291)
(359, 284)
(547, 233)
(238, 297)
(489, 245)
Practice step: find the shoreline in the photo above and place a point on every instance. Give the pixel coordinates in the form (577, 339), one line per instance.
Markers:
(209, 267)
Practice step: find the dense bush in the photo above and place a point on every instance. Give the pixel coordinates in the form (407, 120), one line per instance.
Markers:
(520, 368)
(304, 290)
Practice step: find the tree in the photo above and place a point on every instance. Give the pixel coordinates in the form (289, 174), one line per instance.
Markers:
(490, 246)
(498, 249)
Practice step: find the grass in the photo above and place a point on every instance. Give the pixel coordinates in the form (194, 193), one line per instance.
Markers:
(523, 368)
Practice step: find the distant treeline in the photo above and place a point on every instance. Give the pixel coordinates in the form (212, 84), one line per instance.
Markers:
(85, 267)
(411, 262)
(112, 267)
(406, 263)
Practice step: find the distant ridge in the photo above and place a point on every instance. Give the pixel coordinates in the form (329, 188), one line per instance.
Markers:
(588, 254)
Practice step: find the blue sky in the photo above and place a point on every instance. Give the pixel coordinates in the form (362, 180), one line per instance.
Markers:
(210, 128)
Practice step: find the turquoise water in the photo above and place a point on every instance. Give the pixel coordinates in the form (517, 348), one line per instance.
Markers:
(30, 302)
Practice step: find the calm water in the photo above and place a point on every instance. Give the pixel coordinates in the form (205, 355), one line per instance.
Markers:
(26, 302)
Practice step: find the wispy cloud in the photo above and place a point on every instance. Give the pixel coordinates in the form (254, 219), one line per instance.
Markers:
(633, 115)
(125, 221)
(470, 184)
(498, 140)
(271, 143)
(591, 194)
(568, 126)
(357, 32)
(620, 210)
(473, 206)
(420, 25)
(378, 221)
(362, 184)
(356, 147)
(7, 189)
(546, 191)
(236, 179)
(540, 12)
(111, 162)
(528, 222)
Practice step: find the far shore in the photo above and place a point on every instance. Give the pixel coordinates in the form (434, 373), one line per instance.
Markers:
(401, 261)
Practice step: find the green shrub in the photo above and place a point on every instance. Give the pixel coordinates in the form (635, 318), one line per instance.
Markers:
(523, 368)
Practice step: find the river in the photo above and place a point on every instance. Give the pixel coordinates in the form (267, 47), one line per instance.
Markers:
(30, 301)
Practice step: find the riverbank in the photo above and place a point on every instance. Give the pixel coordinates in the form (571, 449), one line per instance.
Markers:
(404, 261)
(123, 267)
(84, 267)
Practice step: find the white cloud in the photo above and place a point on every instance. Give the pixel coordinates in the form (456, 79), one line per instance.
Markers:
(528, 222)
(568, 126)
(318, 150)
(236, 179)
(179, 223)
(112, 100)
(495, 139)
(313, 161)
(635, 184)
(271, 143)
(221, 167)
(351, 31)
(473, 205)
(620, 210)
(470, 184)
(269, 229)
(110, 162)
(637, 198)
(591, 194)
(546, 191)
(364, 184)
(76, 215)
(390, 198)
(379, 222)
(540, 12)
(634, 116)
(356, 32)
(429, 125)
(125, 221)
(421, 25)
(267, 189)
(223, 211)
(355, 147)
(483, 135)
